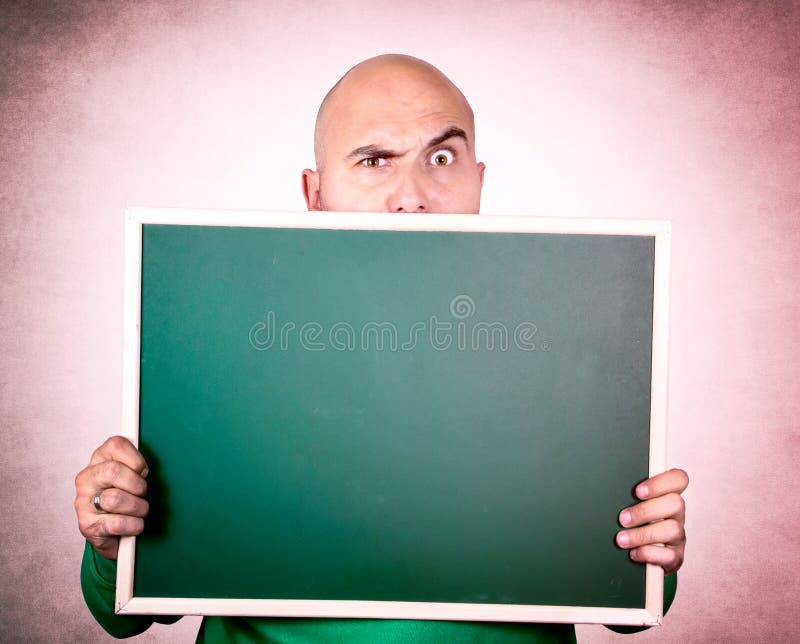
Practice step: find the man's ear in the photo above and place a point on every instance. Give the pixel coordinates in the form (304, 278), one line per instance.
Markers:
(310, 180)
(481, 168)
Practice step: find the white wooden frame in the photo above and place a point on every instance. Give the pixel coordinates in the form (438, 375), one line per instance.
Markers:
(651, 615)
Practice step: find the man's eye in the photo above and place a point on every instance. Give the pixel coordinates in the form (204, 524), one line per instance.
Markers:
(442, 157)
(373, 162)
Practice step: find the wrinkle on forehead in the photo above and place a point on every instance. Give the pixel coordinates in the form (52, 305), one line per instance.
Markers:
(387, 90)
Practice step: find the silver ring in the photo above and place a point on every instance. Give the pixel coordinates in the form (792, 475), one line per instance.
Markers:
(96, 501)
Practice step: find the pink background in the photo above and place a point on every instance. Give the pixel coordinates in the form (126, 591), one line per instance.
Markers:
(682, 111)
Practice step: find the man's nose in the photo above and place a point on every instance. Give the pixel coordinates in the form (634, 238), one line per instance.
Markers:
(408, 194)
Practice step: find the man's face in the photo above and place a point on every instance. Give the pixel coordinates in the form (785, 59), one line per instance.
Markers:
(395, 140)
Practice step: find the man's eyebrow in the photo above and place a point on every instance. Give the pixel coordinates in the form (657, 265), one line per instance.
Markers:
(372, 152)
(449, 133)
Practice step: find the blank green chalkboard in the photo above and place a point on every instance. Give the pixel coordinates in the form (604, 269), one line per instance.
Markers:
(430, 416)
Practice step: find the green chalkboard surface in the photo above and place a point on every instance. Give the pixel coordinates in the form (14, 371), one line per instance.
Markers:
(440, 416)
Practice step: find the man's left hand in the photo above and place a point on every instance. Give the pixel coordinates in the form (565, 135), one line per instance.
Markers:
(656, 534)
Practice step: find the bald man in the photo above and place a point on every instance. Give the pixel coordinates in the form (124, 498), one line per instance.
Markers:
(393, 135)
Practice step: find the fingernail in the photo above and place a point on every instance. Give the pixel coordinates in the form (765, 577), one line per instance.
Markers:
(634, 554)
(145, 472)
(623, 539)
(625, 518)
(642, 491)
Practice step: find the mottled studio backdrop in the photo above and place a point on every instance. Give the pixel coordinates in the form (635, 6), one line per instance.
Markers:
(684, 111)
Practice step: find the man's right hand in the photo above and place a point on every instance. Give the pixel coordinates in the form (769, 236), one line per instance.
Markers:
(117, 471)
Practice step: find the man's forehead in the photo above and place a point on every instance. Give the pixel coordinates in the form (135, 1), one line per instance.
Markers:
(398, 101)
(376, 118)
(392, 126)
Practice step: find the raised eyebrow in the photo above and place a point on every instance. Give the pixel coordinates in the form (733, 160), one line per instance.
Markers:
(449, 133)
(372, 152)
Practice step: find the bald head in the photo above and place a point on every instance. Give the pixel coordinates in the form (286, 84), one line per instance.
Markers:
(394, 134)
(388, 74)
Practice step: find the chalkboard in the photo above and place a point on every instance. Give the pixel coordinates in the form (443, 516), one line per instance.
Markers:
(421, 416)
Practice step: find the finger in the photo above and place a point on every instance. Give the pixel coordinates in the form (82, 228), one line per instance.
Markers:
(668, 532)
(674, 480)
(101, 526)
(115, 501)
(107, 547)
(108, 474)
(669, 506)
(118, 448)
(670, 559)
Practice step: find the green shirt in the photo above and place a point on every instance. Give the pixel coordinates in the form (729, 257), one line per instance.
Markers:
(98, 579)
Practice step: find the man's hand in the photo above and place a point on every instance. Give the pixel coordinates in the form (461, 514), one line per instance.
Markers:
(661, 514)
(116, 471)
